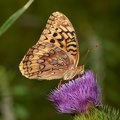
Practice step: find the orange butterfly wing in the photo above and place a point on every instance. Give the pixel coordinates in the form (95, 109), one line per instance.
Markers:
(60, 32)
(45, 61)
(56, 54)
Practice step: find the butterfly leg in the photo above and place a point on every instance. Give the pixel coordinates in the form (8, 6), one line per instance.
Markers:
(60, 83)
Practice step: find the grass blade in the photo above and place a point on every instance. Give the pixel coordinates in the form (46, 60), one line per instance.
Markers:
(14, 17)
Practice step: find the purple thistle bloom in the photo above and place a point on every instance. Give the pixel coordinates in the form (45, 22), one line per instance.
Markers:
(77, 95)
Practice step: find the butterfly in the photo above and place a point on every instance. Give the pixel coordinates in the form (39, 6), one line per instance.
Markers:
(56, 54)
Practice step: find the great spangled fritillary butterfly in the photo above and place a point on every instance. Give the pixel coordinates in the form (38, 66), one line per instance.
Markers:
(56, 54)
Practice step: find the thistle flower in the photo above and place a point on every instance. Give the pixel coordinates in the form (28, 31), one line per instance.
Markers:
(78, 95)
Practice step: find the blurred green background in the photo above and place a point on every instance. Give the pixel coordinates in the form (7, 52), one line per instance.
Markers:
(94, 22)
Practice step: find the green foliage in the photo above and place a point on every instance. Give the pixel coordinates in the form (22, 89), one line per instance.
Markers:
(111, 113)
(105, 113)
(94, 22)
(20, 90)
(21, 111)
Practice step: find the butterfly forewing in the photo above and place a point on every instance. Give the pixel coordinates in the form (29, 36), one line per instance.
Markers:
(60, 31)
(56, 54)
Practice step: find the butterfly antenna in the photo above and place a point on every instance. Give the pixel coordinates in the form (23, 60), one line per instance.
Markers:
(85, 58)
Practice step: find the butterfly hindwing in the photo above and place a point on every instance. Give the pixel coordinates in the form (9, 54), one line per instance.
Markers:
(45, 61)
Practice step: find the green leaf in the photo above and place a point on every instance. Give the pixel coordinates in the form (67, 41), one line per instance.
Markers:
(14, 17)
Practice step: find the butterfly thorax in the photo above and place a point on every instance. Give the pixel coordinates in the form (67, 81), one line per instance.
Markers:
(70, 74)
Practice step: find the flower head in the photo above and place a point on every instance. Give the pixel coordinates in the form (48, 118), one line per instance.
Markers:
(77, 95)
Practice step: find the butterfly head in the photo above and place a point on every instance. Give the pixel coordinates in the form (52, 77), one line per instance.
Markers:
(80, 69)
